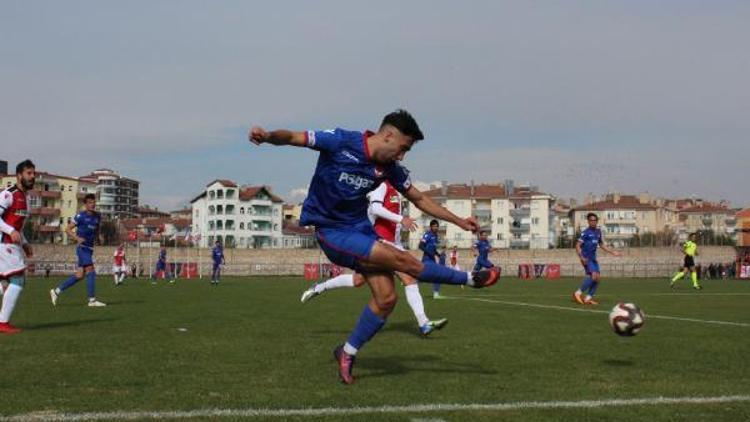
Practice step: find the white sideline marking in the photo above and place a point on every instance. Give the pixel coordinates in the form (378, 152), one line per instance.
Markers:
(566, 308)
(338, 411)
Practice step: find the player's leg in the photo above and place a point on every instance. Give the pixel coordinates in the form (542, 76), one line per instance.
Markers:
(91, 286)
(595, 277)
(678, 276)
(585, 285)
(339, 282)
(694, 278)
(436, 291)
(371, 320)
(10, 299)
(414, 298)
(387, 257)
(66, 284)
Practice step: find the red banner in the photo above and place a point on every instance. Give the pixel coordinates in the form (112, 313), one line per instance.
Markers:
(312, 271)
(553, 271)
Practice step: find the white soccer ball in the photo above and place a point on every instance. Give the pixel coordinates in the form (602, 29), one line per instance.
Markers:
(626, 319)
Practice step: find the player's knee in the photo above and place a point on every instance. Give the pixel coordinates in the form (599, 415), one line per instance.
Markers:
(387, 302)
(408, 264)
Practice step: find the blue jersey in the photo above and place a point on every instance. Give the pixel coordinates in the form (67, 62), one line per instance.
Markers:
(590, 240)
(87, 227)
(483, 249)
(217, 254)
(441, 260)
(337, 196)
(163, 256)
(429, 245)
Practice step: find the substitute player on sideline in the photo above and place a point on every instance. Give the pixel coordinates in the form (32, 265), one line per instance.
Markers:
(14, 208)
(351, 164)
(591, 239)
(385, 214)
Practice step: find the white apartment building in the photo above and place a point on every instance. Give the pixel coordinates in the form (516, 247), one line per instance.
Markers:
(117, 196)
(245, 217)
(514, 217)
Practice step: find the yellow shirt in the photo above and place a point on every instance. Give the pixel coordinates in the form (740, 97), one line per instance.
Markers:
(690, 248)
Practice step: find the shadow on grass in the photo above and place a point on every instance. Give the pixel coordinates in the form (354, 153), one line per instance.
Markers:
(399, 365)
(617, 362)
(53, 325)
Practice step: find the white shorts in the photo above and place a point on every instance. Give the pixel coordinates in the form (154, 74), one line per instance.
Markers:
(456, 267)
(395, 245)
(118, 269)
(12, 260)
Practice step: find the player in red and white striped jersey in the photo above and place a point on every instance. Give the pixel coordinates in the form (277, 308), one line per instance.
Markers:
(14, 208)
(385, 214)
(119, 266)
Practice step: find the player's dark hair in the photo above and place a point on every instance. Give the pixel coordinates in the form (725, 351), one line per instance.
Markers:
(23, 165)
(89, 197)
(591, 214)
(481, 232)
(434, 223)
(403, 121)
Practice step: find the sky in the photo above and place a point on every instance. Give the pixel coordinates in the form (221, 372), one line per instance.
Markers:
(574, 97)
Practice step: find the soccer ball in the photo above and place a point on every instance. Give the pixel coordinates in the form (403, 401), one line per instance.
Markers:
(626, 319)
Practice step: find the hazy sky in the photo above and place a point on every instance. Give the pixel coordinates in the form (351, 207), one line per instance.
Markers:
(572, 96)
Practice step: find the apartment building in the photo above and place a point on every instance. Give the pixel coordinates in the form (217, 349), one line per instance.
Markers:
(117, 196)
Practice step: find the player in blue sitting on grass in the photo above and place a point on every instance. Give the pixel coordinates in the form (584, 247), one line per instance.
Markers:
(84, 230)
(351, 164)
(591, 239)
(482, 249)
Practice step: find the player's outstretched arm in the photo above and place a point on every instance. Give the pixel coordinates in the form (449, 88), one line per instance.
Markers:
(610, 251)
(258, 135)
(428, 206)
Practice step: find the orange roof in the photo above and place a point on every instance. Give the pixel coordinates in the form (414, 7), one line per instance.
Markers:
(707, 208)
(249, 192)
(625, 202)
(744, 213)
(224, 182)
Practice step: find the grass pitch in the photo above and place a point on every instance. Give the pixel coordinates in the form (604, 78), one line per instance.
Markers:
(250, 344)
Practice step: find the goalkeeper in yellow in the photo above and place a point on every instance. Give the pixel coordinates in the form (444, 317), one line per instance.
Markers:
(690, 249)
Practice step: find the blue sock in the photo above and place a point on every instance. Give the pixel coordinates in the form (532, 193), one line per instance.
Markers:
(586, 284)
(91, 283)
(436, 287)
(592, 289)
(367, 326)
(67, 283)
(436, 273)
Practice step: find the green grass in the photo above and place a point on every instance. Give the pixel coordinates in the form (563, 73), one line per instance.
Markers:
(251, 344)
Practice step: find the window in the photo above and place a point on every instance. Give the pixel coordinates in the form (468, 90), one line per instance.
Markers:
(499, 236)
(211, 194)
(219, 194)
(500, 220)
(242, 226)
(242, 210)
(535, 221)
(70, 188)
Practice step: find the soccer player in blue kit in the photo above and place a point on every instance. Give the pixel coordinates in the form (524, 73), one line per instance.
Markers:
(86, 224)
(217, 254)
(429, 247)
(482, 250)
(591, 239)
(162, 267)
(351, 164)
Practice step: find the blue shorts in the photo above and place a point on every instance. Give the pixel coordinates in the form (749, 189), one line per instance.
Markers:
(347, 246)
(592, 266)
(483, 263)
(161, 266)
(217, 265)
(85, 256)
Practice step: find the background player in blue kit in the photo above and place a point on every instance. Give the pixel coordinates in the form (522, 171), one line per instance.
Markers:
(350, 165)
(591, 239)
(482, 249)
(217, 255)
(84, 230)
(429, 246)
(162, 267)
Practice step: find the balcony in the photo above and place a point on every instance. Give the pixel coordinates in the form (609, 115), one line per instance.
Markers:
(520, 212)
(45, 212)
(46, 194)
(521, 228)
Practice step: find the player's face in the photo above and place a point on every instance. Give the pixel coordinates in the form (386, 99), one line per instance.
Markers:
(593, 221)
(483, 236)
(27, 178)
(394, 147)
(90, 205)
(434, 228)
